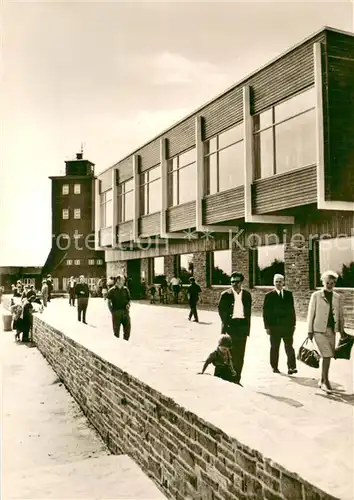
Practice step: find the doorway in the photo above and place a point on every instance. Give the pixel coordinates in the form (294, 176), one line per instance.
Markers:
(134, 280)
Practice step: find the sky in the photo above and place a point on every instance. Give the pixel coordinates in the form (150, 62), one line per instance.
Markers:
(112, 75)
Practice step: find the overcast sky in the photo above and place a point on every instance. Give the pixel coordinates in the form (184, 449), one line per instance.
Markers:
(112, 75)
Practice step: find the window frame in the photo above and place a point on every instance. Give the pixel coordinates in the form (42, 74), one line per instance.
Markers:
(315, 269)
(144, 190)
(77, 191)
(211, 265)
(77, 213)
(91, 262)
(174, 162)
(206, 187)
(65, 211)
(103, 207)
(63, 190)
(254, 263)
(99, 262)
(272, 127)
(77, 262)
(69, 262)
(122, 193)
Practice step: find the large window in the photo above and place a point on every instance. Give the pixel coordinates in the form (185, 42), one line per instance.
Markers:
(158, 270)
(65, 189)
(65, 213)
(126, 201)
(224, 161)
(185, 267)
(267, 261)
(182, 178)
(335, 254)
(220, 267)
(77, 213)
(150, 191)
(106, 209)
(285, 136)
(77, 188)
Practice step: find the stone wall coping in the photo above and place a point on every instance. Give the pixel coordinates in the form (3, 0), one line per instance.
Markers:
(260, 423)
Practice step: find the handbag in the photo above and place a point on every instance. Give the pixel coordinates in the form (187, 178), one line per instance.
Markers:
(344, 347)
(309, 356)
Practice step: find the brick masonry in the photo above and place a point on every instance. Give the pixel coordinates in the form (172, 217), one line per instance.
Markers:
(185, 455)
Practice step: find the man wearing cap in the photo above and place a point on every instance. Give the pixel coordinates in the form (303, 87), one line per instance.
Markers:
(235, 305)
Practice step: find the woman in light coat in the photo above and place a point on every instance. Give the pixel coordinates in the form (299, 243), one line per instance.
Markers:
(325, 317)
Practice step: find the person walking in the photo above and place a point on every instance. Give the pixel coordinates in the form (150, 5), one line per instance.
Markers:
(279, 319)
(235, 305)
(44, 293)
(193, 293)
(50, 286)
(82, 293)
(325, 317)
(118, 300)
(71, 291)
(176, 287)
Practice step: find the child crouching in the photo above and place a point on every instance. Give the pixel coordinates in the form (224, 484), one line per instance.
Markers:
(221, 359)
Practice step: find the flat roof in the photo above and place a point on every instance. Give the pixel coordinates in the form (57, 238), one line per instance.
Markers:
(233, 86)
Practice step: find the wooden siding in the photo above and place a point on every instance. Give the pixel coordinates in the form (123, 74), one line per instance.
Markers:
(125, 231)
(150, 224)
(105, 180)
(181, 217)
(224, 206)
(106, 236)
(222, 113)
(321, 222)
(340, 111)
(125, 169)
(285, 191)
(181, 137)
(149, 155)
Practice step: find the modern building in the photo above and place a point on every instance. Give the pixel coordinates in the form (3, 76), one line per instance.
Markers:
(73, 239)
(260, 180)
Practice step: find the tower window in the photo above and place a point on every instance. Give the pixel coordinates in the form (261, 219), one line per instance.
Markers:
(77, 188)
(65, 213)
(69, 262)
(77, 262)
(77, 213)
(65, 189)
(91, 262)
(99, 262)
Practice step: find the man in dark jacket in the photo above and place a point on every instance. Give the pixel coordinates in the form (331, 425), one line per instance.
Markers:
(118, 299)
(235, 305)
(193, 293)
(82, 293)
(279, 321)
(50, 286)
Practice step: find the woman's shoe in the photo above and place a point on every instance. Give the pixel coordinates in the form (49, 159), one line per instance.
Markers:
(326, 388)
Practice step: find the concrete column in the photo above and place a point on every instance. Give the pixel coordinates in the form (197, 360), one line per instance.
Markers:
(97, 214)
(240, 261)
(114, 207)
(136, 197)
(169, 266)
(164, 187)
(200, 171)
(248, 151)
(320, 158)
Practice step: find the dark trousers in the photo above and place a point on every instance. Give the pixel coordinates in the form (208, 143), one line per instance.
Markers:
(71, 298)
(82, 303)
(121, 317)
(193, 308)
(238, 331)
(276, 337)
(175, 289)
(224, 373)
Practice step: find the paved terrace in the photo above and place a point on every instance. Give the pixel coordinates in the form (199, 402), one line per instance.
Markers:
(287, 419)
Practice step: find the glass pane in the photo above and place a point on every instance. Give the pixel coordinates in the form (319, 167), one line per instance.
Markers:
(270, 260)
(231, 167)
(154, 196)
(295, 142)
(158, 267)
(187, 158)
(210, 146)
(187, 183)
(211, 174)
(154, 173)
(263, 120)
(186, 267)
(295, 105)
(222, 267)
(263, 154)
(337, 254)
(129, 206)
(109, 214)
(230, 136)
(129, 185)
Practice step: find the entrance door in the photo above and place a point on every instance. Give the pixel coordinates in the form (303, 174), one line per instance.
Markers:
(134, 282)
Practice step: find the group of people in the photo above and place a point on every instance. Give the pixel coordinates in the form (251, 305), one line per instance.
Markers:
(325, 318)
(23, 298)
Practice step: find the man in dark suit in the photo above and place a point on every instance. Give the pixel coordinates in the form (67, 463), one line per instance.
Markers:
(82, 293)
(234, 307)
(279, 321)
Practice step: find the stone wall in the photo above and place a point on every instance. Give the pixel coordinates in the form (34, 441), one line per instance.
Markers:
(115, 268)
(185, 455)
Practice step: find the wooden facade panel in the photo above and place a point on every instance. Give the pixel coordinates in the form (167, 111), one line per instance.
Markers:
(181, 217)
(340, 45)
(222, 113)
(125, 169)
(106, 236)
(285, 191)
(125, 231)
(150, 224)
(105, 180)
(181, 137)
(149, 155)
(224, 206)
(330, 223)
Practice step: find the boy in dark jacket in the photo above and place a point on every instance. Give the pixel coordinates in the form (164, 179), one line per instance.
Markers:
(222, 360)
